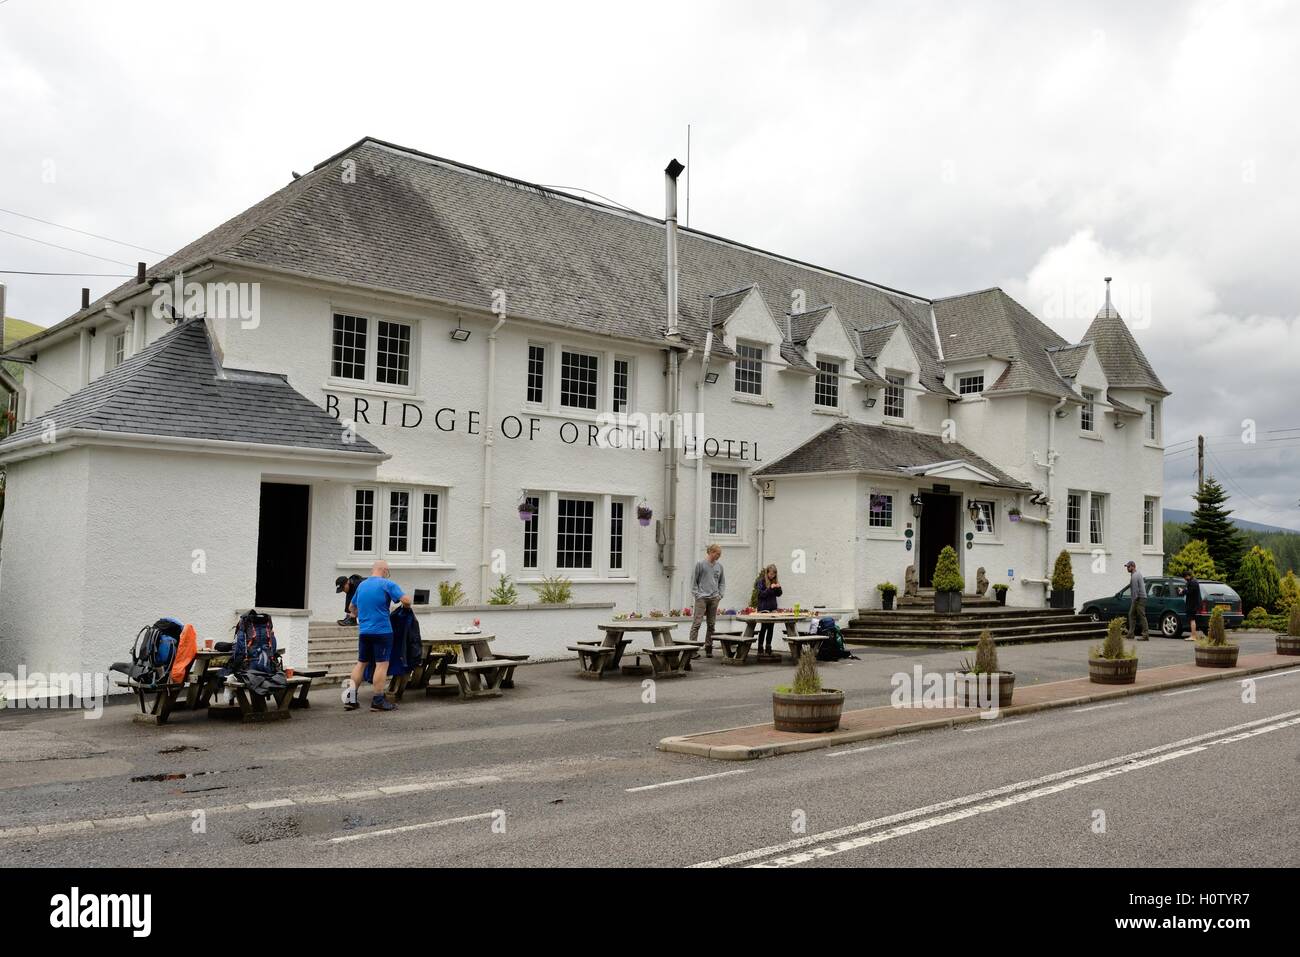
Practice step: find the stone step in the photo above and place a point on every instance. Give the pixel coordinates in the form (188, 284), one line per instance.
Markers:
(963, 621)
(1044, 624)
(1043, 636)
(967, 634)
(331, 630)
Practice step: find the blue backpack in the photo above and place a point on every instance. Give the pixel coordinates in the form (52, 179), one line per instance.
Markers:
(152, 654)
(254, 647)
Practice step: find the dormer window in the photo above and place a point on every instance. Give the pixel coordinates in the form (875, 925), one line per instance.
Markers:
(972, 383)
(826, 390)
(749, 369)
(1088, 413)
(895, 403)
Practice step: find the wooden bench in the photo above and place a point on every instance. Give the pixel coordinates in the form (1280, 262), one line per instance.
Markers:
(671, 661)
(491, 672)
(594, 658)
(166, 699)
(736, 647)
(300, 699)
(509, 680)
(253, 707)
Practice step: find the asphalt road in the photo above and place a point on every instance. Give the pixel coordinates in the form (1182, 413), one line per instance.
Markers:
(563, 772)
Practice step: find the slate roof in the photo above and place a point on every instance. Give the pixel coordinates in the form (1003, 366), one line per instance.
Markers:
(1068, 359)
(804, 324)
(428, 227)
(856, 446)
(1122, 359)
(991, 322)
(176, 387)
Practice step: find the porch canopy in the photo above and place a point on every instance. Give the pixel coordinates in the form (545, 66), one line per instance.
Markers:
(858, 447)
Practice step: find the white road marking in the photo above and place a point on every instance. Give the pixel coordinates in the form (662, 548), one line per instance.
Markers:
(1170, 694)
(1097, 707)
(1276, 674)
(925, 824)
(995, 723)
(870, 747)
(702, 777)
(943, 806)
(137, 820)
(405, 828)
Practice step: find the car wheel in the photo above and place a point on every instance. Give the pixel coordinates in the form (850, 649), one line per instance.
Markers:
(1093, 614)
(1170, 626)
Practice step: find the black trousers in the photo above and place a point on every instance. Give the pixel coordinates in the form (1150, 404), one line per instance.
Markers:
(765, 636)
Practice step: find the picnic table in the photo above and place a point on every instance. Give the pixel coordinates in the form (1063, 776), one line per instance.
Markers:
(480, 672)
(787, 619)
(247, 705)
(668, 658)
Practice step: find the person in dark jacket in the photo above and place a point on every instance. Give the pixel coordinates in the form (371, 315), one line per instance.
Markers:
(769, 590)
(1193, 601)
(347, 585)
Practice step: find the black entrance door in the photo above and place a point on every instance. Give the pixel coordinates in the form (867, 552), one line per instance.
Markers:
(938, 526)
(282, 546)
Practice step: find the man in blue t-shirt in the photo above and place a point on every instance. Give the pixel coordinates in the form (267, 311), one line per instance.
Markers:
(372, 600)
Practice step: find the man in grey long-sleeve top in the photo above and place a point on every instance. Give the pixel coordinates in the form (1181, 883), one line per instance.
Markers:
(1137, 607)
(707, 587)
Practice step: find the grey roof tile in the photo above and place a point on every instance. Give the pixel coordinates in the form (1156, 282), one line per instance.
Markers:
(1122, 359)
(174, 388)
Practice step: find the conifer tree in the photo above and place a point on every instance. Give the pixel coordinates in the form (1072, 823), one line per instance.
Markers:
(1212, 524)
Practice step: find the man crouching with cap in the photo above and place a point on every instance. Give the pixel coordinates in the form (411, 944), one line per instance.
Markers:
(1137, 607)
(347, 586)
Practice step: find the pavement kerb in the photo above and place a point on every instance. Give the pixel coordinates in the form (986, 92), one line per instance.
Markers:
(684, 744)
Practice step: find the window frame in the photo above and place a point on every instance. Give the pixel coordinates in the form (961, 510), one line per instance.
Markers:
(1098, 514)
(831, 378)
(629, 365)
(988, 516)
(373, 519)
(1074, 501)
(1088, 412)
(1153, 422)
(741, 366)
(736, 518)
(115, 352)
(565, 350)
(892, 527)
(964, 377)
(381, 524)
(369, 380)
(557, 529)
(1150, 509)
(895, 381)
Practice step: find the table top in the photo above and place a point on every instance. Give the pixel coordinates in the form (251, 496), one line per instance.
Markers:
(639, 624)
(459, 639)
(776, 616)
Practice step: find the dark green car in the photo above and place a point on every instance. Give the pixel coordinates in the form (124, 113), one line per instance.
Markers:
(1167, 606)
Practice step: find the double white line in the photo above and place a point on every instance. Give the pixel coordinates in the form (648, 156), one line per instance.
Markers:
(854, 836)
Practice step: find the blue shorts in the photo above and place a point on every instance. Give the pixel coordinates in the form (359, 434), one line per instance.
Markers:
(372, 649)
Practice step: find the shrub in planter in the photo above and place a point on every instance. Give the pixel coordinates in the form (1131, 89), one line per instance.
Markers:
(1111, 662)
(948, 583)
(555, 590)
(1289, 644)
(450, 593)
(981, 683)
(1062, 582)
(887, 592)
(1000, 593)
(1214, 650)
(805, 706)
(504, 593)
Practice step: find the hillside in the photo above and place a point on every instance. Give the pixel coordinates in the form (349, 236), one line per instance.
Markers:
(16, 329)
(1183, 517)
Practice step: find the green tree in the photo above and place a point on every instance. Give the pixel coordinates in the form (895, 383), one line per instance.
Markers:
(1195, 556)
(1257, 580)
(1288, 593)
(1212, 523)
(1063, 572)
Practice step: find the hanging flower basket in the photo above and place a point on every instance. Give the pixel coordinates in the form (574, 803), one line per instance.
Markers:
(527, 511)
(643, 514)
(1013, 514)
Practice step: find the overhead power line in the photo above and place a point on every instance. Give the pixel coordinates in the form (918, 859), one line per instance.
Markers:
(74, 229)
(69, 249)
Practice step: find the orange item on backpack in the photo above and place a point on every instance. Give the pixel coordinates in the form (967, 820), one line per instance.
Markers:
(186, 648)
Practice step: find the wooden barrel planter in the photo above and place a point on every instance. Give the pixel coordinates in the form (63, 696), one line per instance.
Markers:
(1288, 644)
(1112, 671)
(975, 691)
(1216, 656)
(807, 713)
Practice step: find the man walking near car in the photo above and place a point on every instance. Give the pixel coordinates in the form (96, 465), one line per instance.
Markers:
(707, 586)
(372, 601)
(1137, 608)
(1193, 602)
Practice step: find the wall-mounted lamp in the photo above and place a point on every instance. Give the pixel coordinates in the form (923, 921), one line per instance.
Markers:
(1120, 423)
(1061, 413)
(916, 505)
(973, 510)
(871, 403)
(458, 334)
(710, 377)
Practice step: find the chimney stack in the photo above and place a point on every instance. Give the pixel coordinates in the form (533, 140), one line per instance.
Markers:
(139, 273)
(85, 298)
(671, 172)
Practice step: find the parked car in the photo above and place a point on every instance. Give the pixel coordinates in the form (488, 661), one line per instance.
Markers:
(1167, 606)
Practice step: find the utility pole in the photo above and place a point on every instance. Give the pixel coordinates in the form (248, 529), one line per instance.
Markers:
(1200, 464)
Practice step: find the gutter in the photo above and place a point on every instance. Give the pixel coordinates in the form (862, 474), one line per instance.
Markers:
(489, 437)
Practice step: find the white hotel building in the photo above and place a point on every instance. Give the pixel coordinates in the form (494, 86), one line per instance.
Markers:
(195, 467)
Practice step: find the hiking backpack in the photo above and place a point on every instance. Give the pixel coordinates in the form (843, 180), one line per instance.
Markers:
(254, 646)
(152, 654)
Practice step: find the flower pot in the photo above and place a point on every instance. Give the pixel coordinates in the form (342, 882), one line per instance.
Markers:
(1062, 599)
(1288, 645)
(807, 713)
(978, 690)
(1112, 671)
(1013, 516)
(525, 515)
(887, 600)
(1216, 656)
(1001, 595)
(947, 602)
(643, 522)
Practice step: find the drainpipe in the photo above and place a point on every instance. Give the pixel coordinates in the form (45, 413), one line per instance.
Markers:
(698, 538)
(1048, 465)
(489, 438)
(762, 520)
(673, 335)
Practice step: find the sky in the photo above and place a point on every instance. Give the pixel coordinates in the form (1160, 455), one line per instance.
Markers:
(933, 147)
